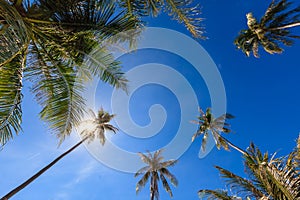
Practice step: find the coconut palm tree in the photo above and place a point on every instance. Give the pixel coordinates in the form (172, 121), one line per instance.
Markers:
(269, 178)
(95, 127)
(50, 43)
(184, 11)
(156, 170)
(271, 31)
(208, 124)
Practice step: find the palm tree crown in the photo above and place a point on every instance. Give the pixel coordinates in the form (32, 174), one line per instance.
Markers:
(208, 124)
(156, 170)
(98, 125)
(54, 44)
(271, 31)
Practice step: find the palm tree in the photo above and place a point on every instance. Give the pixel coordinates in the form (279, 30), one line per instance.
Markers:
(97, 127)
(208, 124)
(49, 43)
(269, 178)
(155, 170)
(184, 11)
(271, 31)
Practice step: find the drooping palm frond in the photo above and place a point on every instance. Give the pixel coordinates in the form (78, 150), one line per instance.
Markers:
(14, 37)
(188, 14)
(156, 170)
(239, 185)
(272, 31)
(10, 98)
(142, 182)
(56, 89)
(184, 11)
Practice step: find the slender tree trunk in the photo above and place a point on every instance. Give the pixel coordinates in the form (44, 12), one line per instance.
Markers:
(152, 188)
(286, 26)
(235, 147)
(35, 176)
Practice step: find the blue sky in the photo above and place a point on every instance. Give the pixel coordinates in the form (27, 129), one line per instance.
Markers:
(261, 93)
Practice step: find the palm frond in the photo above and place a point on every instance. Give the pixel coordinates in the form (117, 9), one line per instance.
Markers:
(142, 170)
(185, 12)
(56, 88)
(204, 141)
(10, 98)
(142, 7)
(168, 163)
(215, 194)
(142, 182)
(166, 185)
(240, 185)
(170, 176)
(145, 158)
(14, 37)
(102, 64)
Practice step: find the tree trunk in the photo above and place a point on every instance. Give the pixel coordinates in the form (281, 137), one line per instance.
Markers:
(235, 147)
(35, 176)
(286, 26)
(151, 188)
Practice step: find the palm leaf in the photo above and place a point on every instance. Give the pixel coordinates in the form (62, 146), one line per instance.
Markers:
(58, 91)
(11, 97)
(189, 15)
(240, 185)
(166, 184)
(215, 194)
(14, 37)
(142, 7)
(142, 182)
(170, 176)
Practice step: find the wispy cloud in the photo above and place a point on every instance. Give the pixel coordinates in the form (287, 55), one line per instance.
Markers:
(83, 173)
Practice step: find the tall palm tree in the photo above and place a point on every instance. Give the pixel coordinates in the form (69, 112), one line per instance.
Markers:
(96, 127)
(208, 124)
(269, 178)
(49, 42)
(156, 170)
(184, 11)
(271, 31)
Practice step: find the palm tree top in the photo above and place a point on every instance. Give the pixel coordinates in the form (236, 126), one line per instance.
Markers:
(154, 160)
(207, 123)
(271, 31)
(156, 170)
(97, 125)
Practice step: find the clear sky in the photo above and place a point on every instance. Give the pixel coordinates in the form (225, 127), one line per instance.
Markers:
(262, 93)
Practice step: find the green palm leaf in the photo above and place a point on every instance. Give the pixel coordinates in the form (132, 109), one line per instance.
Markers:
(10, 98)
(59, 38)
(216, 194)
(189, 15)
(184, 11)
